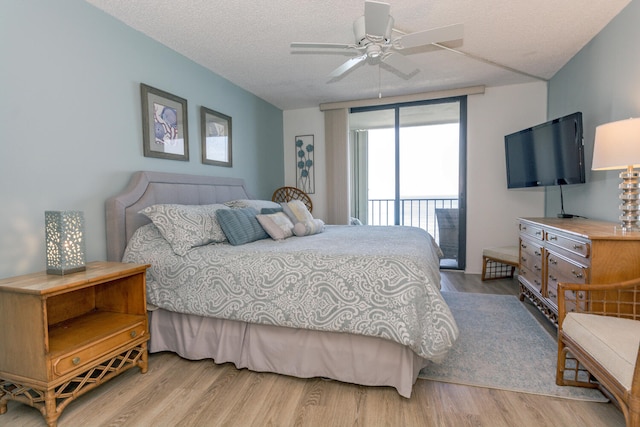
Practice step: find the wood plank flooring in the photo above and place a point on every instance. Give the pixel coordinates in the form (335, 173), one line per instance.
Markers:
(177, 392)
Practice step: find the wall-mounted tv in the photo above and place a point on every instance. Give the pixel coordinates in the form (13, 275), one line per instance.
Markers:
(550, 153)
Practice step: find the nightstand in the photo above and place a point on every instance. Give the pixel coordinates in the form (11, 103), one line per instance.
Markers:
(61, 336)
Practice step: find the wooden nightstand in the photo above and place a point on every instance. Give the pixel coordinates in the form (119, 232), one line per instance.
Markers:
(61, 336)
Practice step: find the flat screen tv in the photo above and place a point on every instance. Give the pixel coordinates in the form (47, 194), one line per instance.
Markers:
(550, 153)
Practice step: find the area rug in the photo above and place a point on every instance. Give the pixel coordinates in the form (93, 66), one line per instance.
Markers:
(502, 346)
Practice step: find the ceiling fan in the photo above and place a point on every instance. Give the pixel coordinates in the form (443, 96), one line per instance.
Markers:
(374, 43)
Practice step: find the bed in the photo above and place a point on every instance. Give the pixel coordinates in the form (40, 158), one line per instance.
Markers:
(356, 304)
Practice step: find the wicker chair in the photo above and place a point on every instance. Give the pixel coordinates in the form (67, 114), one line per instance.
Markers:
(599, 341)
(287, 194)
(448, 232)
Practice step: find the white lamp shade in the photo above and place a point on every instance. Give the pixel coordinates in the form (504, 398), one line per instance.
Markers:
(617, 145)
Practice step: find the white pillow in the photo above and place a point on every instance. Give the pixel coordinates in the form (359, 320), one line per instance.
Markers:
(277, 225)
(297, 211)
(308, 228)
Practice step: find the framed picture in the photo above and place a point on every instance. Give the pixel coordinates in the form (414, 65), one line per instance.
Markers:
(164, 124)
(216, 138)
(305, 180)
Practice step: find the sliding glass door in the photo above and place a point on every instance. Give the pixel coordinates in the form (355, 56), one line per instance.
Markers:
(408, 168)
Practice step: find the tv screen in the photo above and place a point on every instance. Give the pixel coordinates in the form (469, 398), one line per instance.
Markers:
(551, 153)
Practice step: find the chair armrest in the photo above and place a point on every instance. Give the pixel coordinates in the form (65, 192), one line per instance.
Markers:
(618, 299)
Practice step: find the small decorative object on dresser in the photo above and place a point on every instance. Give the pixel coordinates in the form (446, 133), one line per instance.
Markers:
(572, 250)
(63, 336)
(64, 232)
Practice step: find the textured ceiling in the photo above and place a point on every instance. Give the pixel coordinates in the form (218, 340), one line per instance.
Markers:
(247, 42)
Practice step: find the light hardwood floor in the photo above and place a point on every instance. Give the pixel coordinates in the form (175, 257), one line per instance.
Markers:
(186, 393)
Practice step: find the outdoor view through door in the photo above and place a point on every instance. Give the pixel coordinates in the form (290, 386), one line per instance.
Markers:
(408, 168)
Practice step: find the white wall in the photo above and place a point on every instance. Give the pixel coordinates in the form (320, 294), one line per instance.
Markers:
(492, 209)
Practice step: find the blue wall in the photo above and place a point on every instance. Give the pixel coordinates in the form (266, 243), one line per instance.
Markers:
(602, 81)
(70, 114)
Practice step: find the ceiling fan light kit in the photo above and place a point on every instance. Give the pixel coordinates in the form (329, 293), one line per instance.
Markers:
(375, 45)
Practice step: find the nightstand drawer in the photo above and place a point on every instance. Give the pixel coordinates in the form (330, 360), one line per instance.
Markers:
(77, 359)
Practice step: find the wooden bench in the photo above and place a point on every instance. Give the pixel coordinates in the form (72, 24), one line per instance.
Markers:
(499, 262)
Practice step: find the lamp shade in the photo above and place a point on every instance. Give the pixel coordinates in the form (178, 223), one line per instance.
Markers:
(617, 145)
(64, 232)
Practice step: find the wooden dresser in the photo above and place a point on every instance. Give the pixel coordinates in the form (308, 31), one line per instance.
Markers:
(61, 336)
(573, 250)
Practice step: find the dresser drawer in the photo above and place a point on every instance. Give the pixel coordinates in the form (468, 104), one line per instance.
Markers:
(531, 254)
(578, 247)
(573, 298)
(533, 280)
(531, 231)
(76, 359)
(561, 269)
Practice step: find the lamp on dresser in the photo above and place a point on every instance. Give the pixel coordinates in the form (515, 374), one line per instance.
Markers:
(65, 242)
(617, 146)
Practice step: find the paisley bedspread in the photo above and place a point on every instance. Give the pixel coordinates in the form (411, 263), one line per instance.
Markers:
(374, 281)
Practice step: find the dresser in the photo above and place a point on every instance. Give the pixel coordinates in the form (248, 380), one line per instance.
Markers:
(61, 336)
(572, 250)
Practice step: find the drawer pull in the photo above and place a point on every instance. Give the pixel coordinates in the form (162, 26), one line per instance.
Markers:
(553, 237)
(75, 360)
(523, 246)
(553, 278)
(551, 294)
(553, 261)
(577, 246)
(577, 275)
(524, 259)
(133, 334)
(538, 253)
(537, 268)
(538, 233)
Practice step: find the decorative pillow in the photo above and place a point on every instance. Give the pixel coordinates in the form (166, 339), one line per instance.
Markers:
(297, 211)
(267, 211)
(250, 203)
(277, 225)
(186, 226)
(308, 228)
(240, 225)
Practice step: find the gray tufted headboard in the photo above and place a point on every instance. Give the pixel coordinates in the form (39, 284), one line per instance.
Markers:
(150, 188)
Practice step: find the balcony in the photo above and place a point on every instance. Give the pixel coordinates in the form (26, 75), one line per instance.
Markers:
(417, 213)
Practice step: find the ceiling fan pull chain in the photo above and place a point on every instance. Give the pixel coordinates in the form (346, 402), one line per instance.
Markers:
(379, 83)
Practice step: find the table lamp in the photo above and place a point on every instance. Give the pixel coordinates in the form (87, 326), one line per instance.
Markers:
(65, 242)
(617, 146)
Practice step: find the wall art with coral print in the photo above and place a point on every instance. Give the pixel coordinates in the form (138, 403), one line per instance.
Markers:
(304, 164)
(164, 124)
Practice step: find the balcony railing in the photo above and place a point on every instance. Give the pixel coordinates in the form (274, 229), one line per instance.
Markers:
(414, 212)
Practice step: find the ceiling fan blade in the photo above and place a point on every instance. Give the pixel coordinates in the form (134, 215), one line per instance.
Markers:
(376, 18)
(347, 66)
(434, 35)
(312, 45)
(401, 63)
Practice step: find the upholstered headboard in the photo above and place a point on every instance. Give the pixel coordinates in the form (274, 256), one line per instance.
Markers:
(150, 188)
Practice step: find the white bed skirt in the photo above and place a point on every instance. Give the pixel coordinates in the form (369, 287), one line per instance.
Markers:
(300, 353)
